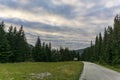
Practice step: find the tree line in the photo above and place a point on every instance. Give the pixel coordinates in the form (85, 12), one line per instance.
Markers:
(15, 48)
(107, 47)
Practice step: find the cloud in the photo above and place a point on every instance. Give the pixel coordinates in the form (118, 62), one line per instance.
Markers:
(69, 23)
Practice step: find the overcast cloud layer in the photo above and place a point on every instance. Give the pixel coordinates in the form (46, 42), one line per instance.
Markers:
(67, 23)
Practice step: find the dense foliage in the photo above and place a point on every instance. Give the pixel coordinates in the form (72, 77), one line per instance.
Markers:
(14, 48)
(106, 48)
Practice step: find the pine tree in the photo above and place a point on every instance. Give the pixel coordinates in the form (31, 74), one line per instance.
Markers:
(110, 44)
(116, 38)
(49, 53)
(96, 49)
(92, 55)
(37, 51)
(21, 48)
(100, 48)
(4, 45)
(11, 40)
(106, 49)
(105, 46)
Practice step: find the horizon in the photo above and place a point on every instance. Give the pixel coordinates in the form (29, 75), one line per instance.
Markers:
(64, 23)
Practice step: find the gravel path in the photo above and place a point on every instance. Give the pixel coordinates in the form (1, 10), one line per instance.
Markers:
(93, 71)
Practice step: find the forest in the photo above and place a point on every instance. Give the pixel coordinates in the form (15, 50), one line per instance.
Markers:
(107, 47)
(15, 48)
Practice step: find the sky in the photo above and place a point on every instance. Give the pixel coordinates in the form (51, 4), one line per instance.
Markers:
(65, 23)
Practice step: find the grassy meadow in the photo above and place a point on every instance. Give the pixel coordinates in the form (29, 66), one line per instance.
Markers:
(41, 71)
(113, 67)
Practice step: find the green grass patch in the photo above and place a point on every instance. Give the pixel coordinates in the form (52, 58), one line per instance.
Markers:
(113, 67)
(41, 71)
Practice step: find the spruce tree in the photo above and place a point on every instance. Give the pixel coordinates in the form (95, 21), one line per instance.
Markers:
(4, 45)
(37, 51)
(100, 48)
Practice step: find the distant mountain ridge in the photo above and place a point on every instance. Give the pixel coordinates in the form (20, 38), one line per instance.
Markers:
(80, 51)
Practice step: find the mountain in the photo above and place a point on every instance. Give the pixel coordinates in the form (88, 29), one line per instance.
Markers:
(80, 51)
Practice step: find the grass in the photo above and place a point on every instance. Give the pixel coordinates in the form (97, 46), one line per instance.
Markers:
(113, 67)
(34, 71)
